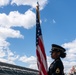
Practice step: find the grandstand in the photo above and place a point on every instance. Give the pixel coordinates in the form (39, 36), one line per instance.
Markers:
(9, 69)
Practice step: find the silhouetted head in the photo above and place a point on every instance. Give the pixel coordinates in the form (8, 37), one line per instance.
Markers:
(57, 51)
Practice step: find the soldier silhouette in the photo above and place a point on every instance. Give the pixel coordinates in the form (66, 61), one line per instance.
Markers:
(57, 67)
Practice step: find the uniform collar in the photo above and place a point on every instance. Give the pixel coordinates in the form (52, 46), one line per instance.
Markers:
(57, 59)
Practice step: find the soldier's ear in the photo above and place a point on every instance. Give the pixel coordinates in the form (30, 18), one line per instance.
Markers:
(58, 53)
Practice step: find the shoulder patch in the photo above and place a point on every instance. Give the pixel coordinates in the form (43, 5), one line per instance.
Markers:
(57, 70)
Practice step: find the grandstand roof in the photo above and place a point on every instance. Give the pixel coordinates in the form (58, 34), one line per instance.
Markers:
(10, 69)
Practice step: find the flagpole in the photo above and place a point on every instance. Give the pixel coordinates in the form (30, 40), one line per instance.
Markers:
(40, 50)
(37, 12)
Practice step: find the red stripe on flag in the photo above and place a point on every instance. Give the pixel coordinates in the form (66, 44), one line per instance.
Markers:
(42, 47)
(41, 63)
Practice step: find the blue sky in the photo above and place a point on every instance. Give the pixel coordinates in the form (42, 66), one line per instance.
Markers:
(18, 29)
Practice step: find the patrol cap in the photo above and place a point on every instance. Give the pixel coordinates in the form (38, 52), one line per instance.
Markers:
(57, 48)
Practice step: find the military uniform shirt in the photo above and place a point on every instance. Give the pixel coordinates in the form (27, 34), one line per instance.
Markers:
(56, 68)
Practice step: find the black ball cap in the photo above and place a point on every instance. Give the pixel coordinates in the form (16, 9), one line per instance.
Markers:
(57, 48)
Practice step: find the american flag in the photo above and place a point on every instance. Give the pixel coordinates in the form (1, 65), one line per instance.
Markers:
(40, 51)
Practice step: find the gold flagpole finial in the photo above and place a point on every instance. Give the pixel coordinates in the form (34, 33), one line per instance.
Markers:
(37, 10)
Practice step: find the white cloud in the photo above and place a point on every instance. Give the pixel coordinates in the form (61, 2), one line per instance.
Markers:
(3, 42)
(70, 44)
(11, 57)
(15, 19)
(8, 32)
(7, 55)
(45, 20)
(31, 61)
(28, 59)
(70, 59)
(54, 21)
(2, 52)
(32, 3)
(3, 2)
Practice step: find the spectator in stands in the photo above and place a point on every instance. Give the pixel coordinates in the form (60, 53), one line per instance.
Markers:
(57, 67)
